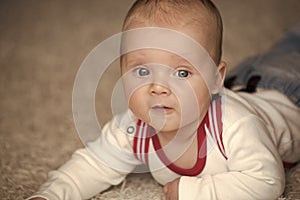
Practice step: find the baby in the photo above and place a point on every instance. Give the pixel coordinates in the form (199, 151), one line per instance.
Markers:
(199, 140)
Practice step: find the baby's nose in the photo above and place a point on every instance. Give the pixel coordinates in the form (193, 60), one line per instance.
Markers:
(159, 89)
(160, 78)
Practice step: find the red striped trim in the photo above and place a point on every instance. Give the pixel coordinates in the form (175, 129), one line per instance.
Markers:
(141, 141)
(150, 132)
(216, 127)
(136, 138)
(201, 160)
(213, 120)
(288, 165)
(220, 127)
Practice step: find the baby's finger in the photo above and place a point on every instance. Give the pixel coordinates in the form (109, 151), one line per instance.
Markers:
(166, 188)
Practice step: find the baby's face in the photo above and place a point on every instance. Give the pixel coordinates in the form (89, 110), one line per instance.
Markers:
(163, 89)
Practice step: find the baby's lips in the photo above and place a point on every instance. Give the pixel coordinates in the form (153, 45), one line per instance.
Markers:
(160, 107)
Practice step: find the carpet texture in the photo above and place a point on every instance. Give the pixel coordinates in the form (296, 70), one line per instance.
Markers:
(42, 44)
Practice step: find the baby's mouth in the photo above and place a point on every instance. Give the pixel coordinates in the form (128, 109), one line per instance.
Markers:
(161, 109)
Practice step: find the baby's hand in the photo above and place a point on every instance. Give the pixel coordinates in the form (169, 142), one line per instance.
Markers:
(171, 190)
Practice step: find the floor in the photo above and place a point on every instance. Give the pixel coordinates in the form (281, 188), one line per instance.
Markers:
(43, 43)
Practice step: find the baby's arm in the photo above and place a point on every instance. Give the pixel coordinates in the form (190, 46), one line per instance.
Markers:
(84, 176)
(80, 178)
(255, 169)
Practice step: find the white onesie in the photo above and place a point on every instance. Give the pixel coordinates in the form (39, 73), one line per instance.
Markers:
(242, 143)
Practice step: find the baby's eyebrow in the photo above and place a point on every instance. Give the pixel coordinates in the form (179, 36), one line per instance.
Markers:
(133, 63)
(181, 59)
(183, 56)
(135, 58)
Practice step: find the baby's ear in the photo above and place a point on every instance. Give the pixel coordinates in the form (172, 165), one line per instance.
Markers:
(222, 69)
(220, 77)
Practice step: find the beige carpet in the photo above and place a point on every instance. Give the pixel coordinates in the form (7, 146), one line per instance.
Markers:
(42, 44)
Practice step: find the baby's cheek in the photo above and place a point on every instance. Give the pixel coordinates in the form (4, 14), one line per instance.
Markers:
(138, 107)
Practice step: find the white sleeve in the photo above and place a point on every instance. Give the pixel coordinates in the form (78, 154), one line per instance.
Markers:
(255, 169)
(86, 174)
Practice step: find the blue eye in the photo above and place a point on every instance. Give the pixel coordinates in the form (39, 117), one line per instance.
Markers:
(182, 73)
(142, 72)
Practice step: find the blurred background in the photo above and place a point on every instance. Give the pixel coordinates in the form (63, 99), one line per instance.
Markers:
(42, 44)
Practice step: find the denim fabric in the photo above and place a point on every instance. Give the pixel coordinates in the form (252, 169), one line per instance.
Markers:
(278, 69)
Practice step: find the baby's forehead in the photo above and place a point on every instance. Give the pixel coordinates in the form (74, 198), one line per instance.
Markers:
(187, 39)
(155, 53)
(200, 19)
(165, 46)
(158, 56)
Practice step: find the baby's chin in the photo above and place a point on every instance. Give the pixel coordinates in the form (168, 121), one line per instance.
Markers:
(172, 127)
